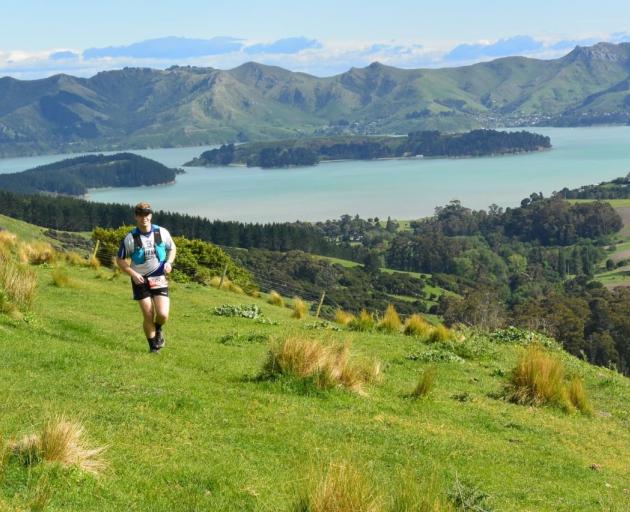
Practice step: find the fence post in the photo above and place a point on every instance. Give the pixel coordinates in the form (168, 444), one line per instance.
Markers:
(223, 276)
(319, 306)
(98, 243)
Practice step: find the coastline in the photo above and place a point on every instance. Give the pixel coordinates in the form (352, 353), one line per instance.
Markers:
(385, 158)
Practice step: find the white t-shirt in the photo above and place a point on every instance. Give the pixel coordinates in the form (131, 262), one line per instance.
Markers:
(151, 262)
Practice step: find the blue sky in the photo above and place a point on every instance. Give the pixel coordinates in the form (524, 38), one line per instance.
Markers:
(322, 37)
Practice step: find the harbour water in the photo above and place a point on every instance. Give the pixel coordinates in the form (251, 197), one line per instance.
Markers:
(403, 189)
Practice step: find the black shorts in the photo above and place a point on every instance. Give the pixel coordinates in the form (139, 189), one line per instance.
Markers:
(142, 291)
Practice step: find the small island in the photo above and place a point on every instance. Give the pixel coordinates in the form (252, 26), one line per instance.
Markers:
(74, 176)
(311, 151)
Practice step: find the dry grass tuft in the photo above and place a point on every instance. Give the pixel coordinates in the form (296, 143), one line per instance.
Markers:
(300, 308)
(8, 242)
(61, 278)
(426, 383)
(275, 299)
(75, 259)
(342, 488)
(578, 396)
(228, 284)
(391, 321)
(440, 334)
(364, 322)
(60, 441)
(343, 317)
(18, 284)
(416, 325)
(538, 379)
(327, 365)
(36, 253)
(94, 262)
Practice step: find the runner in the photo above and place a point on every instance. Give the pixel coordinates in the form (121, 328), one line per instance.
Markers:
(152, 252)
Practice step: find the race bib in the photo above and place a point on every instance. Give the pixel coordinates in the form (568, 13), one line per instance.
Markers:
(157, 282)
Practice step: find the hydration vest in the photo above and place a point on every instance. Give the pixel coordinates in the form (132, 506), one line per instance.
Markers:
(138, 256)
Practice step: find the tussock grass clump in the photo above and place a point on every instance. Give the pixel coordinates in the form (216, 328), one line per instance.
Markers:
(343, 317)
(37, 253)
(391, 321)
(440, 334)
(578, 396)
(417, 326)
(61, 278)
(62, 441)
(342, 488)
(18, 283)
(326, 365)
(94, 262)
(538, 379)
(75, 259)
(425, 494)
(364, 322)
(426, 383)
(275, 299)
(300, 308)
(228, 284)
(8, 242)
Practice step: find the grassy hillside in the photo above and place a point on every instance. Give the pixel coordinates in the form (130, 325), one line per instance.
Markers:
(193, 429)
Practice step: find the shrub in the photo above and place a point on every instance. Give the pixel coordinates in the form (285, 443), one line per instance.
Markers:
(439, 334)
(275, 299)
(417, 326)
(300, 308)
(342, 488)
(60, 441)
(37, 253)
(391, 321)
(426, 383)
(578, 397)
(364, 322)
(538, 379)
(342, 317)
(327, 366)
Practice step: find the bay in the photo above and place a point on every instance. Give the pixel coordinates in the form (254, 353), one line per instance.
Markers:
(403, 189)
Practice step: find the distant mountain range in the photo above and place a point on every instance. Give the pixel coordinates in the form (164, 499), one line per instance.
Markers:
(136, 107)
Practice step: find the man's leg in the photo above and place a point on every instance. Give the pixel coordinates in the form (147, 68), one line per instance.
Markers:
(148, 324)
(162, 306)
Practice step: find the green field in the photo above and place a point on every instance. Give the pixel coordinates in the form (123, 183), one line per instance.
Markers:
(192, 429)
(615, 203)
(23, 230)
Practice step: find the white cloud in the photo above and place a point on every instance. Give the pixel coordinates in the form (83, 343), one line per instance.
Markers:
(297, 54)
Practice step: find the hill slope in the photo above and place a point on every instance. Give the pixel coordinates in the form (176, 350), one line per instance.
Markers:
(190, 429)
(183, 105)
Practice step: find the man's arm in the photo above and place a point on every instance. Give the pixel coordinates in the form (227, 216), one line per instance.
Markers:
(123, 264)
(168, 264)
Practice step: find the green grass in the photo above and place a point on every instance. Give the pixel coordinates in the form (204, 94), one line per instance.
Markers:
(428, 289)
(192, 429)
(23, 230)
(615, 203)
(29, 232)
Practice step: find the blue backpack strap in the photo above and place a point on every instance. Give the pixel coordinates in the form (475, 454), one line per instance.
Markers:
(138, 249)
(157, 235)
(160, 248)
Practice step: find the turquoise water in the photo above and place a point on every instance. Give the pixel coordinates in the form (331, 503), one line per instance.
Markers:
(402, 189)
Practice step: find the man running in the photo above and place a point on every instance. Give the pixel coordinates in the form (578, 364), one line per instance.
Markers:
(152, 252)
